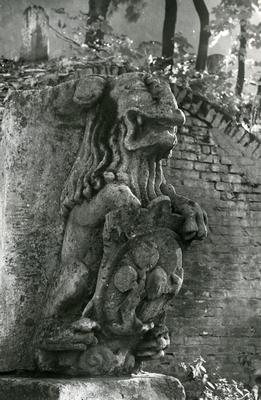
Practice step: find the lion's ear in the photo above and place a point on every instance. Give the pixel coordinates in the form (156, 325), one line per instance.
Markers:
(89, 90)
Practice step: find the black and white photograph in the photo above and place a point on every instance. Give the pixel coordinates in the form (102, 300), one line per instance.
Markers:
(130, 199)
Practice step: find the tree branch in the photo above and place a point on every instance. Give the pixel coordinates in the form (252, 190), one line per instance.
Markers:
(64, 37)
(241, 57)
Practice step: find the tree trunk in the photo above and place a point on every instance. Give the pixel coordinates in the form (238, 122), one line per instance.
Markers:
(97, 8)
(241, 57)
(92, 11)
(169, 29)
(203, 14)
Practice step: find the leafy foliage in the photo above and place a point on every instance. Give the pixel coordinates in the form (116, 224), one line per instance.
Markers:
(225, 390)
(216, 88)
(230, 14)
(200, 385)
(133, 8)
(120, 50)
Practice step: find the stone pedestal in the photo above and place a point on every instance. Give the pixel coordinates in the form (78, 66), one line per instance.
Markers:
(136, 387)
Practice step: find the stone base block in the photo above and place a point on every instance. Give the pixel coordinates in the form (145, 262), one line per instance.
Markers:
(137, 387)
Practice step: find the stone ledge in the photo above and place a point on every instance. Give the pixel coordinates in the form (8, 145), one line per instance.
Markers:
(137, 387)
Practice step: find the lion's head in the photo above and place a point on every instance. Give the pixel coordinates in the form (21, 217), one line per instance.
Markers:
(131, 125)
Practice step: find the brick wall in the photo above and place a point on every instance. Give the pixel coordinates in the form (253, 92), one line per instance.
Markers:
(218, 312)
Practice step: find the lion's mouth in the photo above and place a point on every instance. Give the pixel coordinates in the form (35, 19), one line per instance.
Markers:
(150, 133)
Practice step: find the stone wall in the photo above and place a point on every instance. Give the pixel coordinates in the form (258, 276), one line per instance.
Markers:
(217, 163)
(218, 313)
(40, 140)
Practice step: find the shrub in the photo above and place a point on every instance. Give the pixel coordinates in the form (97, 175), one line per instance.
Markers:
(200, 386)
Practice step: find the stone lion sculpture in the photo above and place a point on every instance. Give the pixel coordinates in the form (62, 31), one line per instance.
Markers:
(121, 259)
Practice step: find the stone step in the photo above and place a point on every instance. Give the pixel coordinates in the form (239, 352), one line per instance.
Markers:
(138, 387)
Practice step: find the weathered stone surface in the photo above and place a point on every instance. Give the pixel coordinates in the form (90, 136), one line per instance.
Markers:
(218, 309)
(136, 387)
(121, 254)
(89, 292)
(38, 147)
(140, 272)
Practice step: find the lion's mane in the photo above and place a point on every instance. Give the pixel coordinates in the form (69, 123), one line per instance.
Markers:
(103, 157)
